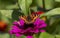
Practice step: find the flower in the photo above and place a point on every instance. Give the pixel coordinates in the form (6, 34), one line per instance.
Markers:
(21, 28)
(3, 26)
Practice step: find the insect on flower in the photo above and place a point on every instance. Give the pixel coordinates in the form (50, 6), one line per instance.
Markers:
(39, 13)
(28, 27)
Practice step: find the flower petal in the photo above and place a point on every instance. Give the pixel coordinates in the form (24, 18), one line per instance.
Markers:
(29, 36)
(10, 32)
(15, 29)
(36, 21)
(29, 29)
(21, 22)
(36, 31)
(18, 35)
(42, 30)
(15, 23)
(42, 26)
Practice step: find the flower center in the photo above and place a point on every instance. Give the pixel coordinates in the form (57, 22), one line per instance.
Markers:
(28, 26)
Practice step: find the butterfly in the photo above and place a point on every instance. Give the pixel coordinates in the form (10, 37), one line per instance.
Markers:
(29, 19)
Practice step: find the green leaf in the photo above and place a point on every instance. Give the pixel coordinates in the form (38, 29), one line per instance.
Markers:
(34, 8)
(23, 36)
(24, 5)
(52, 12)
(12, 6)
(57, 36)
(8, 4)
(39, 3)
(6, 14)
(53, 25)
(0, 15)
(56, 24)
(57, 0)
(4, 35)
(46, 35)
(34, 3)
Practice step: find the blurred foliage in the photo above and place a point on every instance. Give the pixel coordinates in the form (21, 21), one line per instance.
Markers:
(6, 35)
(57, 0)
(0, 15)
(46, 35)
(12, 4)
(8, 4)
(55, 11)
(53, 23)
(16, 13)
(53, 15)
(24, 5)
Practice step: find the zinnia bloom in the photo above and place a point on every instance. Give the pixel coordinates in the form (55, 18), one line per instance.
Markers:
(21, 28)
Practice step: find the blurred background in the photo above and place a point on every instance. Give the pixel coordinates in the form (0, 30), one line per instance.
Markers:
(9, 12)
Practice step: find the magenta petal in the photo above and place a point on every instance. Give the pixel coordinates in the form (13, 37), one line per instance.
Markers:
(32, 30)
(42, 21)
(42, 26)
(18, 35)
(21, 22)
(15, 29)
(29, 36)
(42, 30)
(10, 32)
(37, 21)
(15, 23)
(36, 31)
(29, 29)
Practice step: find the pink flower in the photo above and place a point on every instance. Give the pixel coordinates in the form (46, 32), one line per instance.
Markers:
(28, 29)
